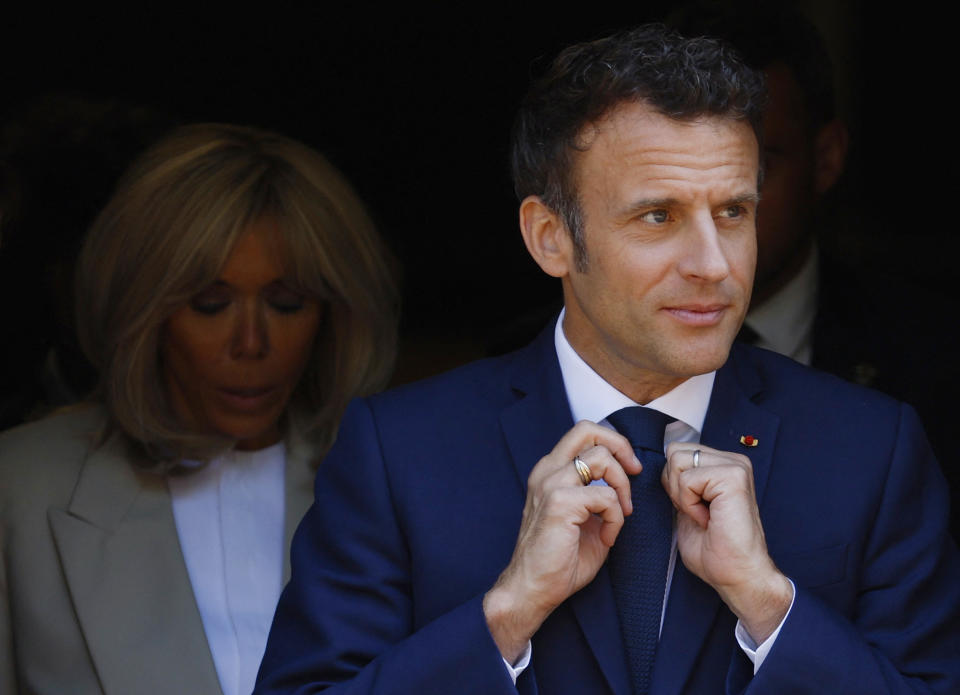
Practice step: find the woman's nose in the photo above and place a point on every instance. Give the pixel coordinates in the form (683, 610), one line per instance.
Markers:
(251, 338)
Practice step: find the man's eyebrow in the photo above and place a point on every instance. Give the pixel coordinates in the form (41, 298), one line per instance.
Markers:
(648, 203)
(652, 203)
(744, 198)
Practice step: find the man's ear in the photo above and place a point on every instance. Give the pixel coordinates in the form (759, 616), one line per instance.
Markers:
(546, 237)
(830, 154)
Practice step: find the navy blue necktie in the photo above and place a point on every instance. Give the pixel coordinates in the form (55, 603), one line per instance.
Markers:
(638, 560)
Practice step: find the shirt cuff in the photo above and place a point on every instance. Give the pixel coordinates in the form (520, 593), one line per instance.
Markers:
(758, 652)
(516, 669)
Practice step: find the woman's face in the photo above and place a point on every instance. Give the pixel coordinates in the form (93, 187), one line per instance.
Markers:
(232, 357)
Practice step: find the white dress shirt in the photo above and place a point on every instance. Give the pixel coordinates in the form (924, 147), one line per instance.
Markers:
(230, 521)
(784, 322)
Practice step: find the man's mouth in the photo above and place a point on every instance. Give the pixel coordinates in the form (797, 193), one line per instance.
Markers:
(698, 314)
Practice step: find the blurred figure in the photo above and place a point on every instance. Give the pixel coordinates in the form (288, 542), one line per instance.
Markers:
(234, 296)
(60, 157)
(810, 303)
(804, 147)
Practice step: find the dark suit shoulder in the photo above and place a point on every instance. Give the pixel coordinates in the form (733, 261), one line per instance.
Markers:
(459, 413)
(817, 411)
(888, 334)
(785, 381)
(827, 427)
(476, 385)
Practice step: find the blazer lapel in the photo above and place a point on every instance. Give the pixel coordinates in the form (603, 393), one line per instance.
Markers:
(532, 426)
(693, 605)
(734, 413)
(299, 476)
(121, 559)
(534, 423)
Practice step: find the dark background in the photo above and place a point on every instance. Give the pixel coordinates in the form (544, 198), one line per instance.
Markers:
(414, 104)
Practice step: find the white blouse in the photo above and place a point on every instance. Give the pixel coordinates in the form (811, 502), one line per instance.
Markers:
(230, 521)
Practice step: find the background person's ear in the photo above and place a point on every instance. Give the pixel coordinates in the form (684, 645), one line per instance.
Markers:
(830, 152)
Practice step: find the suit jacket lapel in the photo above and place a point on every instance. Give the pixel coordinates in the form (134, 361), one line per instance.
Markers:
(538, 418)
(734, 413)
(693, 605)
(299, 476)
(532, 426)
(121, 558)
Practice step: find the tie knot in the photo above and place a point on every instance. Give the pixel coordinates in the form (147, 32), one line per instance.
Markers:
(642, 426)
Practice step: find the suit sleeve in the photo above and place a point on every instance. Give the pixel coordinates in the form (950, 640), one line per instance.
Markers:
(903, 635)
(345, 620)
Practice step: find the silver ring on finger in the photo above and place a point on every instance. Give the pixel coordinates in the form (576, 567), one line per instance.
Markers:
(696, 458)
(583, 470)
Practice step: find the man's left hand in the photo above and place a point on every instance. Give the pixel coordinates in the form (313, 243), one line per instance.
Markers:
(720, 537)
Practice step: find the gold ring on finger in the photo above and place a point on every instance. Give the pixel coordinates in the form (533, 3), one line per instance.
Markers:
(583, 470)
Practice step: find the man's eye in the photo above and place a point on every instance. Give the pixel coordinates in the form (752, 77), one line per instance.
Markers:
(733, 211)
(655, 216)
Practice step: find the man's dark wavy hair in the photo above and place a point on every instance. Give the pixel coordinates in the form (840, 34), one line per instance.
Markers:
(681, 78)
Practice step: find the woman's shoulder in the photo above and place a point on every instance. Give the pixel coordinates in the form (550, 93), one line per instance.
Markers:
(49, 453)
(75, 426)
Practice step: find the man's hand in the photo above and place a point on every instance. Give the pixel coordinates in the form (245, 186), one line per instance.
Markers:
(720, 537)
(565, 535)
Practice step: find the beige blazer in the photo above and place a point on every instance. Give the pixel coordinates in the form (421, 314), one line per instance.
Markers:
(94, 593)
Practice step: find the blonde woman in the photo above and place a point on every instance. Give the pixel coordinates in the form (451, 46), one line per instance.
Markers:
(234, 296)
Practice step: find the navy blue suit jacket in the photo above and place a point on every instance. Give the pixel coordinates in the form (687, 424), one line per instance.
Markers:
(419, 503)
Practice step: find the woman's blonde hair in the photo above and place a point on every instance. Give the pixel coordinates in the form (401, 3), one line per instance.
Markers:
(165, 235)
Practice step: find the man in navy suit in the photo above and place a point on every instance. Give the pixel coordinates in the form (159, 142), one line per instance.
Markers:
(462, 526)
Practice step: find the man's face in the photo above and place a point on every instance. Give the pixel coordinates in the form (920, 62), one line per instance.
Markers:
(669, 210)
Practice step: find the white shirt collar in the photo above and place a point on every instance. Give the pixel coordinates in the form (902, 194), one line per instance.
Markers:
(784, 323)
(592, 398)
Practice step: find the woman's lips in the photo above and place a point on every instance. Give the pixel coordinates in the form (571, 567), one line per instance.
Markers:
(248, 399)
(698, 314)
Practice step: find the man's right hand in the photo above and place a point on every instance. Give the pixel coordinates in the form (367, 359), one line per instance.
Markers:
(565, 535)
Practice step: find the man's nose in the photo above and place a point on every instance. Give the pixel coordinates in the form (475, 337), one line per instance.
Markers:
(703, 258)
(251, 339)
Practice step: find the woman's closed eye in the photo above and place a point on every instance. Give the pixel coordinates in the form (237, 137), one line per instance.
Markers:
(283, 299)
(212, 300)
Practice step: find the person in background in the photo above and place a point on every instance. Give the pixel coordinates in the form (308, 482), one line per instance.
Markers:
(234, 296)
(812, 302)
(60, 157)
